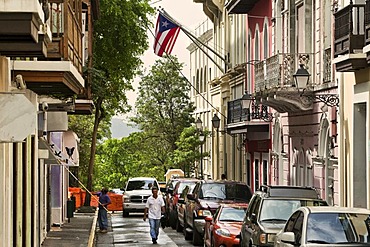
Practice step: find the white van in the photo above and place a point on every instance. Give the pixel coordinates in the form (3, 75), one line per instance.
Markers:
(136, 194)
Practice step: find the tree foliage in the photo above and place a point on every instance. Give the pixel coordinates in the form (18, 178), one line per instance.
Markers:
(83, 127)
(164, 107)
(188, 152)
(120, 38)
(118, 160)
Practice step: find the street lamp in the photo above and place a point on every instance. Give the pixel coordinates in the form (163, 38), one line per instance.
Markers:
(258, 112)
(201, 139)
(199, 126)
(301, 78)
(216, 125)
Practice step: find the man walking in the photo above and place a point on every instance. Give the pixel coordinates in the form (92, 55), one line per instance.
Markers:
(154, 208)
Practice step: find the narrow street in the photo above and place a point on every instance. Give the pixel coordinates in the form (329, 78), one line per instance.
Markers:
(133, 231)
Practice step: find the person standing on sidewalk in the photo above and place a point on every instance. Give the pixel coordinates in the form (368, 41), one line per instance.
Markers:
(154, 208)
(104, 201)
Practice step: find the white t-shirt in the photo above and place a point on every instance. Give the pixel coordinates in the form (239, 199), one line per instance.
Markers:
(154, 205)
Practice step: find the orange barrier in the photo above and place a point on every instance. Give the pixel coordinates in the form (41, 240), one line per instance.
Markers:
(116, 200)
(79, 195)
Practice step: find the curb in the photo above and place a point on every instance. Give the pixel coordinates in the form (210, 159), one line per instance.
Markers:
(92, 231)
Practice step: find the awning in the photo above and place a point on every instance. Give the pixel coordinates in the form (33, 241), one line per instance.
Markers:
(240, 6)
(56, 157)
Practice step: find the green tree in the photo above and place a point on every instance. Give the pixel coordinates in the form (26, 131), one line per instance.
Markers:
(188, 152)
(120, 38)
(164, 107)
(83, 126)
(118, 160)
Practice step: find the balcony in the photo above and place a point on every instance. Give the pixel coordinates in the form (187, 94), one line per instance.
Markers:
(66, 27)
(274, 83)
(60, 74)
(367, 31)
(349, 38)
(240, 120)
(23, 28)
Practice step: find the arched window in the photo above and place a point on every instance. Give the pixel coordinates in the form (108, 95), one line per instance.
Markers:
(323, 137)
(197, 82)
(257, 44)
(265, 41)
(249, 58)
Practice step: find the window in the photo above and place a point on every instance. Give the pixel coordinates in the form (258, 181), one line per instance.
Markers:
(265, 41)
(256, 174)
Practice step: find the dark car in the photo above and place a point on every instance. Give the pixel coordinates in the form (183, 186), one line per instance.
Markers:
(167, 194)
(205, 199)
(172, 201)
(181, 204)
(269, 209)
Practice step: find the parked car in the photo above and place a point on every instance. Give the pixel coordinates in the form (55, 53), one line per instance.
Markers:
(181, 204)
(205, 199)
(326, 226)
(223, 228)
(173, 198)
(270, 208)
(136, 194)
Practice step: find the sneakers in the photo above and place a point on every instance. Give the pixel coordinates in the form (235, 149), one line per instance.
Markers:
(103, 230)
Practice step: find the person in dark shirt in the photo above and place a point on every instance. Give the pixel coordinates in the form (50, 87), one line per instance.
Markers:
(104, 201)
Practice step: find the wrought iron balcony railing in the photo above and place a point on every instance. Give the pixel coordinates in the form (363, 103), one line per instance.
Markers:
(277, 71)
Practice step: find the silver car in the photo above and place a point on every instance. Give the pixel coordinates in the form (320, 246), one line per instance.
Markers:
(326, 226)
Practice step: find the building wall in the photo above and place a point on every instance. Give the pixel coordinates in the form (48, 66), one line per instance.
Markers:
(299, 161)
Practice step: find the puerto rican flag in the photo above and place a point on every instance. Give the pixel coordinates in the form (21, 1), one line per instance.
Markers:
(166, 33)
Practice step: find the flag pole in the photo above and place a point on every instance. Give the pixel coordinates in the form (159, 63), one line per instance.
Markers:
(193, 37)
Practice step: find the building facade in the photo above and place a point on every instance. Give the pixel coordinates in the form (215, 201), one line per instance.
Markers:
(44, 46)
(288, 136)
(351, 59)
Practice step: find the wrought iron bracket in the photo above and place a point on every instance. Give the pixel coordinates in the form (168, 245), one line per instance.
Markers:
(327, 99)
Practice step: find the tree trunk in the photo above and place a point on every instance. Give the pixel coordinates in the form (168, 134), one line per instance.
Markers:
(93, 150)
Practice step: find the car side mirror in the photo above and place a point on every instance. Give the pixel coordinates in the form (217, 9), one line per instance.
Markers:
(190, 196)
(288, 237)
(253, 218)
(208, 218)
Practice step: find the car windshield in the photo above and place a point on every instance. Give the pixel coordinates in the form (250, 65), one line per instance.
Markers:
(332, 228)
(222, 191)
(279, 209)
(182, 186)
(232, 214)
(140, 185)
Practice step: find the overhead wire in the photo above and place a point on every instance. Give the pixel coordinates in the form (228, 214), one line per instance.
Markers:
(187, 80)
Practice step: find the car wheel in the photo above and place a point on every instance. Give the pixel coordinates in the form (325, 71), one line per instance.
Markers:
(178, 226)
(197, 238)
(125, 213)
(173, 219)
(187, 234)
(212, 241)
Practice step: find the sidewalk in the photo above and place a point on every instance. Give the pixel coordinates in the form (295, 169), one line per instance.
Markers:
(79, 232)
(129, 232)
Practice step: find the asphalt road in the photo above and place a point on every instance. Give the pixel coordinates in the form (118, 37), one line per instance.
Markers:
(133, 231)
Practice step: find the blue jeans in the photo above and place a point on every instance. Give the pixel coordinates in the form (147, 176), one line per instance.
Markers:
(103, 219)
(154, 227)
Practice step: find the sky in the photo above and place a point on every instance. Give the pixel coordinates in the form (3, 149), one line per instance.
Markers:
(190, 15)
